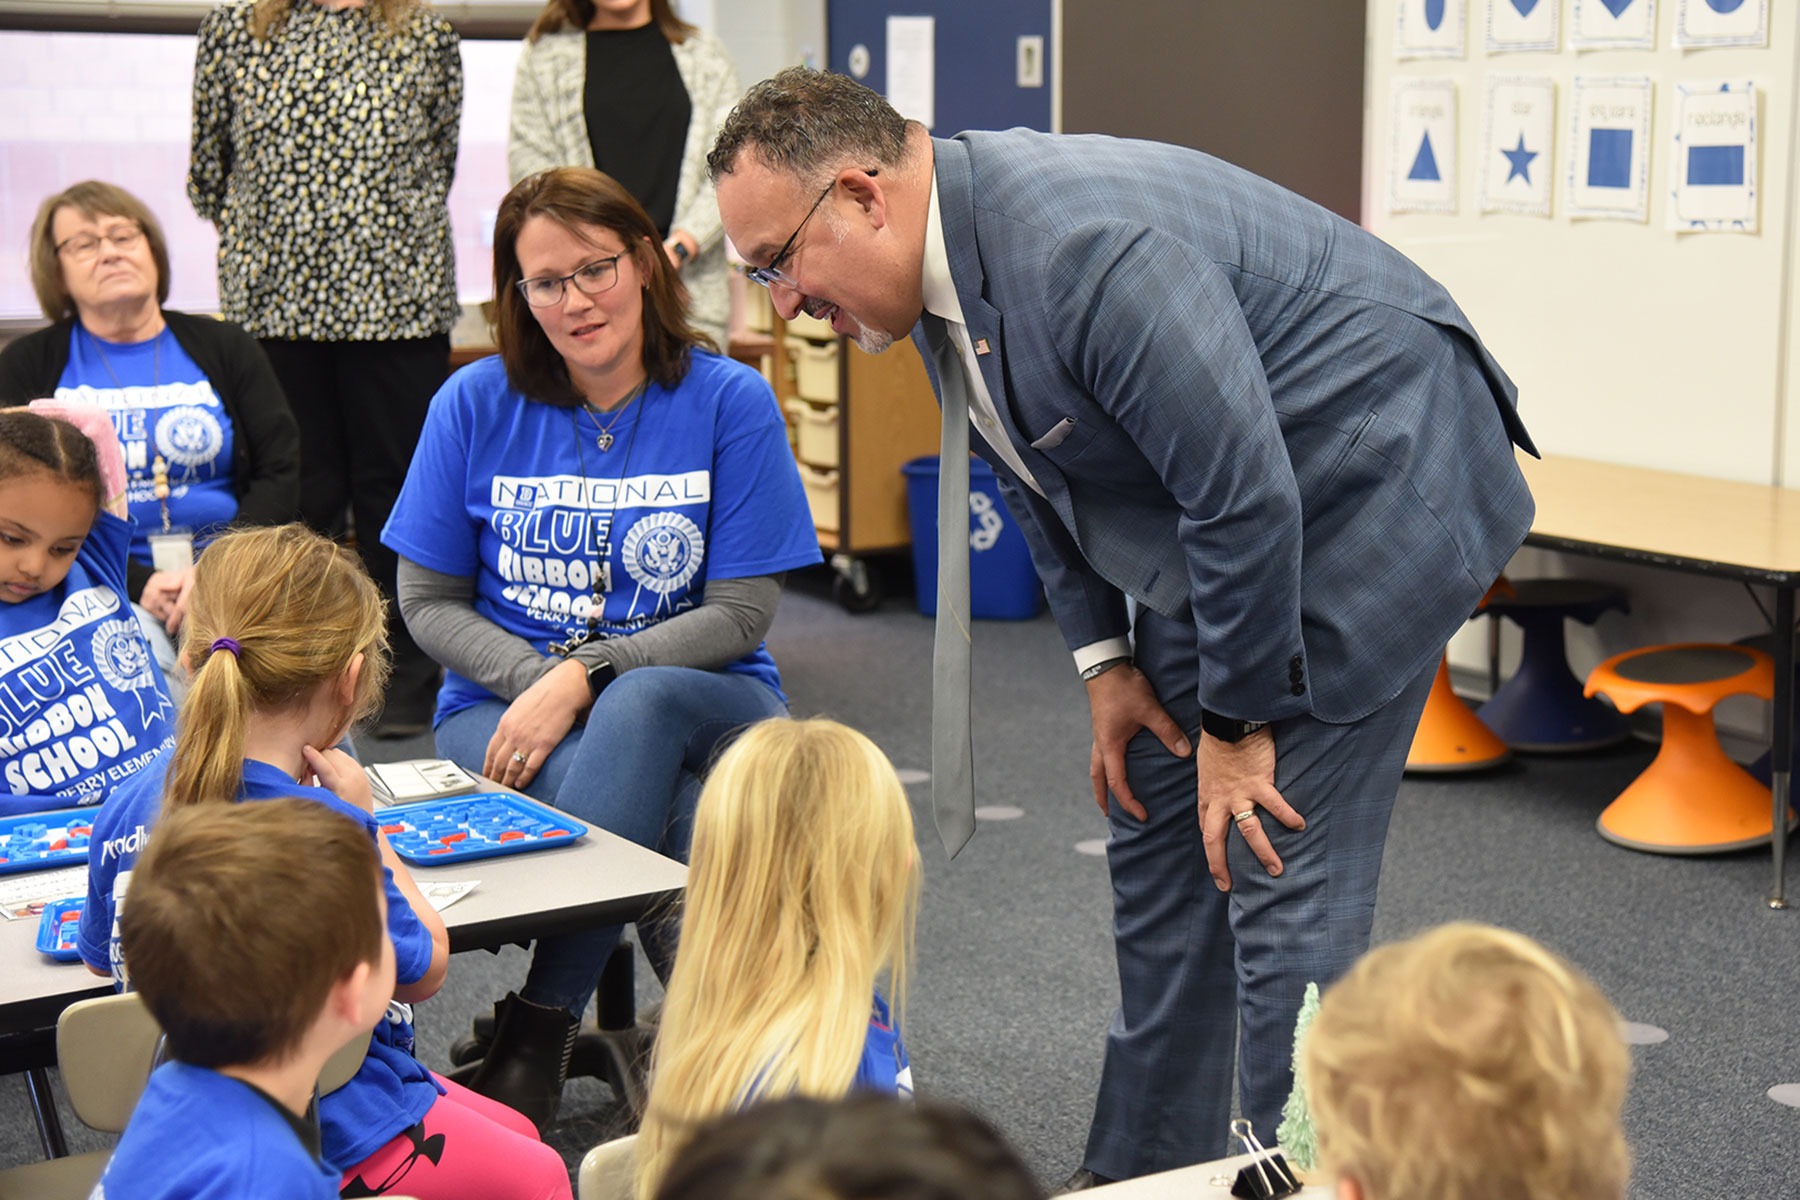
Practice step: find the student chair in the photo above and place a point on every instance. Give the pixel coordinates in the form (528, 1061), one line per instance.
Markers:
(607, 1170)
(1542, 709)
(105, 1049)
(1691, 799)
(1450, 737)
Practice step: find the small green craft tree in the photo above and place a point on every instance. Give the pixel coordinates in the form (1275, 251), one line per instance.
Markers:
(1296, 1135)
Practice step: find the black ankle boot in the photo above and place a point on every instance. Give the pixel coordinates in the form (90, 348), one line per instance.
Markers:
(525, 1066)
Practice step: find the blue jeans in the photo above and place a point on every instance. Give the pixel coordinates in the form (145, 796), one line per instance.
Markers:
(634, 769)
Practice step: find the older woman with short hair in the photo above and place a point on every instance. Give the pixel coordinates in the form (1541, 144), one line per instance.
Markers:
(592, 539)
(197, 393)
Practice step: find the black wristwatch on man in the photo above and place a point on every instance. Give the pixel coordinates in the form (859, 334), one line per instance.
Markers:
(598, 676)
(1228, 729)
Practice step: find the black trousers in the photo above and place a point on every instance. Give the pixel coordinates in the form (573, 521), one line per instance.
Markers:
(360, 407)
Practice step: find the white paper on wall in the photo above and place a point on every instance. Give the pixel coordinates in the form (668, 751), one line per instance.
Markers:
(912, 68)
(1422, 146)
(1613, 25)
(1518, 126)
(1523, 25)
(1609, 147)
(1429, 29)
(1722, 23)
(1712, 160)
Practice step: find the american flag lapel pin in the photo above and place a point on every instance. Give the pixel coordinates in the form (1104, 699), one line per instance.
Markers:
(981, 347)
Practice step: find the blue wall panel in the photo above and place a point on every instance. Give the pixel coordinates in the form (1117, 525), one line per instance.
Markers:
(977, 49)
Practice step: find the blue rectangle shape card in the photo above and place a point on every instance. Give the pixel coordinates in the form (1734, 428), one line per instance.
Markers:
(457, 829)
(35, 841)
(57, 928)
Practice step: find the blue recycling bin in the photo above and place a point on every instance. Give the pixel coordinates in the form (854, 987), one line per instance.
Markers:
(1002, 584)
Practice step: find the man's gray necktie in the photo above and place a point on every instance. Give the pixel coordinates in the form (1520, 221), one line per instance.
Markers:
(952, 751)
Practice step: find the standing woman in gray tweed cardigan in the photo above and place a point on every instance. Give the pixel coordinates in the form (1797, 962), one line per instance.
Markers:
(630, 88)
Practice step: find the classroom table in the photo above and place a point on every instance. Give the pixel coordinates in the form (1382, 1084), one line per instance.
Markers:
(1743, 531)
(597, 880)
(1204, 1181)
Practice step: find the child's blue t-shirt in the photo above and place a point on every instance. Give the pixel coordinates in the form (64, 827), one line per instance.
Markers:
(391, 1091)
(698, 484)
(160, 402)
(200, 1135)
(884, 1066)
(82, 703)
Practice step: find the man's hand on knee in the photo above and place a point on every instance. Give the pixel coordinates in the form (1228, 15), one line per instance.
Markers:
(1235, 780)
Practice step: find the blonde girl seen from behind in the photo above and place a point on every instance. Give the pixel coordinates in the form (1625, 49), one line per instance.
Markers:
(802, 889)
(286, 637)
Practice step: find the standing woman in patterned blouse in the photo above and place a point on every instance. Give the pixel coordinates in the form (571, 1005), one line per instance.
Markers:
(629, 87)
(325, 136)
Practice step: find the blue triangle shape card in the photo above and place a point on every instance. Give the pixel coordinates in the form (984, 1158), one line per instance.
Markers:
(1425, 164)
(1422, 146)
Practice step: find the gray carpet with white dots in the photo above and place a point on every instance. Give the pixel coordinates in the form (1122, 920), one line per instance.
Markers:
(1015, 981)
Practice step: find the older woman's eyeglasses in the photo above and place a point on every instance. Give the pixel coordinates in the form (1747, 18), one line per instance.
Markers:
(772, 274)
(598, 276)
(84, 246)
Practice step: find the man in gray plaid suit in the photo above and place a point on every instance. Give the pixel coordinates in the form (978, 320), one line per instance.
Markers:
(1269, 429)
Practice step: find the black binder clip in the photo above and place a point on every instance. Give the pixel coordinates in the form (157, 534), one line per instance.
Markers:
(1266, 1176)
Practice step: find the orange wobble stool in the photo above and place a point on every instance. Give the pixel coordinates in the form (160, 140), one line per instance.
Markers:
(1691, 799)
(1450, 737)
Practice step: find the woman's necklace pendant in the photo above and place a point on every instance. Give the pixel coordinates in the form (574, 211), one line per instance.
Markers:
(604, 440)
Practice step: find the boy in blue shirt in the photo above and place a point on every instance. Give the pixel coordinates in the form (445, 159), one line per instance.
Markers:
(257, 936)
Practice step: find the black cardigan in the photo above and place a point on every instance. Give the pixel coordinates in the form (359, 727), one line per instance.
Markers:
(265, 451)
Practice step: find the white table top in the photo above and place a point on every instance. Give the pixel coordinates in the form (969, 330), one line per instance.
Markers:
(1191, 1183)
(599, 879)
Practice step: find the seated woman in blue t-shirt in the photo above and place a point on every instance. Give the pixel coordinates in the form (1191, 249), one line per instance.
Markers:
(197, 393)
(592, 540)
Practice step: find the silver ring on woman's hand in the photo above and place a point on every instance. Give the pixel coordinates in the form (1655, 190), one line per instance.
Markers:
(1249, 814)
(519, 757)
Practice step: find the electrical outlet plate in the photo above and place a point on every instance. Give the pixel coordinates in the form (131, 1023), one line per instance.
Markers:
(1031, 60)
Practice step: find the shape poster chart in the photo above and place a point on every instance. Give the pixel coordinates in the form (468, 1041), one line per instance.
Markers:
(1430, 29)
(1722, 23)
(1517, 129)
(1609, 147)
(1712, 165)
(1522, 25)
(1422, 151)
(1614, 25)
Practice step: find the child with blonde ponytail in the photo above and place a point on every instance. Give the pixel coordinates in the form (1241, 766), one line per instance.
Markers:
(802, 888)
(286, 641)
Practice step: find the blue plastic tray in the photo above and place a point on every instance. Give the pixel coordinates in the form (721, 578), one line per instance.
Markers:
(35, 841)
(459, 828)
(57, 928)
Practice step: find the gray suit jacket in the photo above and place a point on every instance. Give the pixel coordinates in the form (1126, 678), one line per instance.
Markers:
(1242, 410)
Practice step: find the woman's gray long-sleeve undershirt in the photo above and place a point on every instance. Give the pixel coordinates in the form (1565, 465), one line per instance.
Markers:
(440, 614)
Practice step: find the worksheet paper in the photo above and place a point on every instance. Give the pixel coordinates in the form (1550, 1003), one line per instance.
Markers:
(24, 895)
(1712, 158)
(1523, 25)
(1609, 147)
(1422, 149)
(1517, 130)
(1429, 29)
(1613, 25)
(1701, 23)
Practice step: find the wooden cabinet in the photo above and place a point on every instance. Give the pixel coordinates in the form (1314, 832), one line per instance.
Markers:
(854, 420)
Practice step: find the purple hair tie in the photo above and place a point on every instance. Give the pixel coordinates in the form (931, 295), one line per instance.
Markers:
(227, 644)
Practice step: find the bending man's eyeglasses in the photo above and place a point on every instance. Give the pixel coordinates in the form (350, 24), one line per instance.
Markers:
(772, 274)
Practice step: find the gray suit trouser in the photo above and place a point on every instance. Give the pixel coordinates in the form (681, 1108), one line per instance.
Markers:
(1208, 978)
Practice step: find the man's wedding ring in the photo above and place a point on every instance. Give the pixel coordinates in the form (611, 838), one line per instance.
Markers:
(1249, 814)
